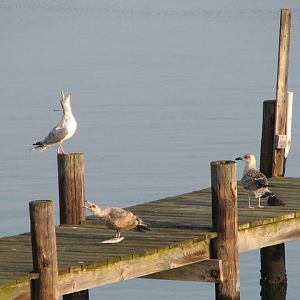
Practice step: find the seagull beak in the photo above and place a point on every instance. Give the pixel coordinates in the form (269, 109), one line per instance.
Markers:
(239, 158)
(87, 205)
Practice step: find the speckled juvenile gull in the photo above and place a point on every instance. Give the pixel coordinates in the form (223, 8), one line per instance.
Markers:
(253, 180)
(62, 131)
(118, 219)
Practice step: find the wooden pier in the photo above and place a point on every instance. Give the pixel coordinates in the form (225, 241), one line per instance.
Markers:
(181, 236)
(195, 236)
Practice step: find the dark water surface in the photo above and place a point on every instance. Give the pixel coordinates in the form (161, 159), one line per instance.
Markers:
(160, 89)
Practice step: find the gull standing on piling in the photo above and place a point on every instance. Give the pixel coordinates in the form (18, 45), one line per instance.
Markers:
(62, 131)
(117, 219)
(253, 180)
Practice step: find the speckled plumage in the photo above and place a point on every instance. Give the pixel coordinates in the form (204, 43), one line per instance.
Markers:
(253, 180)
(117, 218)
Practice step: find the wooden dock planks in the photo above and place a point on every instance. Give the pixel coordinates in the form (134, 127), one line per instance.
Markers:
(180, 236)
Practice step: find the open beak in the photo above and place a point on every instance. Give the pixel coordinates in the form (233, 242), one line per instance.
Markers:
(87, 205)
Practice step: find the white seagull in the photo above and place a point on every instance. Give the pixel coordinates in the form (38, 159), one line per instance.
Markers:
(62, 131)
(118, 219)
(253, 180)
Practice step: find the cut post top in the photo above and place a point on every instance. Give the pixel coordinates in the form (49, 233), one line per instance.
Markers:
(222, 162)
(40, 202)
(70, 154)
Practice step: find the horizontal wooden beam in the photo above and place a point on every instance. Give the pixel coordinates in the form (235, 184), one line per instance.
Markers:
(165, 259)
(136, 266)
(207, 271)
(268, 235)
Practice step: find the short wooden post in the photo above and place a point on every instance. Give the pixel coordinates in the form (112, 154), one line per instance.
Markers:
(43, 240)
(281, 93)
(71, 185)
(273, 270)
(224, 221)
(71, 188)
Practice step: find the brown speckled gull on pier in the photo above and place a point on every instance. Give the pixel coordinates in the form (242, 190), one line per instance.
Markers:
(254, 181)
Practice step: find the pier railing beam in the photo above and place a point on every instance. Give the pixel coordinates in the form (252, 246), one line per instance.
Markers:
(71, 186)
(224, 221)
(43, 240)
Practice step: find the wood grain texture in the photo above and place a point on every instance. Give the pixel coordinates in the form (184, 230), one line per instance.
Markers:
(44, 253)
(177, 221)
(224, 222)
(207, 271)
(282, 89)
(71, 187)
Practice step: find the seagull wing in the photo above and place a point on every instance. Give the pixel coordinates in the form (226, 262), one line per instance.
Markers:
(56, 135)
(122, 219)
(254, 180)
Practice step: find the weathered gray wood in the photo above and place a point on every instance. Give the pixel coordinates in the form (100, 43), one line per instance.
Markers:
(224, 222)
(79, 248)
(44, 250)
(269, 235)
(273, 258)
(152, 261)
(282, 89)
(273, 270)
(207, 271)
(71, 188)
(71, 198)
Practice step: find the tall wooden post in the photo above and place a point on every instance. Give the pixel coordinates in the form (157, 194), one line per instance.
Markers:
(71, 187)
(224, 221)
(267, 137)
(273, 270)
(281, 93)
(43, 240)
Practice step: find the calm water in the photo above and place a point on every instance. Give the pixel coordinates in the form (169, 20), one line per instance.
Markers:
(160, 89)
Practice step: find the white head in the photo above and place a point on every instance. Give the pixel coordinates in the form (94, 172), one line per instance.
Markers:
(93, 207)
(249, 159)
(65, 101)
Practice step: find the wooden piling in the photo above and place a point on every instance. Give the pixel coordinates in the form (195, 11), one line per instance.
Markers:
(43, 240)
(71, 188)
(224, 222)
(273, 270)
(281, 93)
(71, 185)
(267, 137)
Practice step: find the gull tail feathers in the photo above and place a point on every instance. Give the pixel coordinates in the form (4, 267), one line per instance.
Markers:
(268, 194)
(143, 226)
(39, 147)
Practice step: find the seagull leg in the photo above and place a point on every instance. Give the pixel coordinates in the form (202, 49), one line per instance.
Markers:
(60, 149)
(118, 234)
(259, 206)
(249, 202)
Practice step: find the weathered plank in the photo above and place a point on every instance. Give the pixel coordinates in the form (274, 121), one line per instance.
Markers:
(268, 235)
(79, 250)
(134, 266)
(208, 271)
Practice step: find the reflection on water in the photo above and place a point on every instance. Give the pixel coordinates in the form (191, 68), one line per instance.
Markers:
(160, 89)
